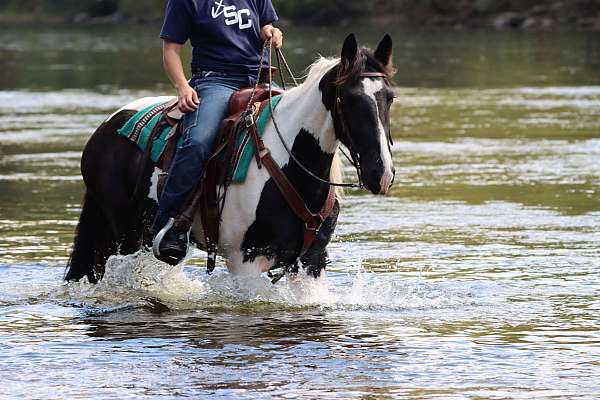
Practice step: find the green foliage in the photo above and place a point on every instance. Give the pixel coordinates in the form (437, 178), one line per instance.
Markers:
(324, 12)
(319, 11)
(145, 8)
(101, 8)
(94, 8)
(50, 6)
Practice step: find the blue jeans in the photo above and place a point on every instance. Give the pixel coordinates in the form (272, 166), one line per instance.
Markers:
(200, 128)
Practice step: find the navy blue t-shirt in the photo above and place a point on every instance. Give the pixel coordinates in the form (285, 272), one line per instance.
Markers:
(225, 34)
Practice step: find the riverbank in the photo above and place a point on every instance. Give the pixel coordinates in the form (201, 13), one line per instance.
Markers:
(460, 15)
(531, 15)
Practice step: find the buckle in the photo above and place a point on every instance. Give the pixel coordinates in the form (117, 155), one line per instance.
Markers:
(316, 228)
(249, 119)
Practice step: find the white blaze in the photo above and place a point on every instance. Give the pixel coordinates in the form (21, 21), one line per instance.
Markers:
(371, 87)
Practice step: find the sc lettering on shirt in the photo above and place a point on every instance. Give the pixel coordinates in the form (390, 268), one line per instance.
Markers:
(248, 23)
(232, 15)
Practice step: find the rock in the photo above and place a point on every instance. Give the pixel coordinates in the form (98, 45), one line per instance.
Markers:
(530, 23)
(589, 23)
(112, 19)
(508, 20)
(547, 23)
(558, 6)
(80, 18)
(535, 23)
(389, 19)
(539, 10)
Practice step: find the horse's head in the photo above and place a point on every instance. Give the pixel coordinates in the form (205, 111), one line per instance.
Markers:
(358, 94)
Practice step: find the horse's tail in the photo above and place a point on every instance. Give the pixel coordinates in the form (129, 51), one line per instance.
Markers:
(82, 259)
(337, 175)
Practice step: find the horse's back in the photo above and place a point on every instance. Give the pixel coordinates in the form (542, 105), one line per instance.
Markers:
(106, 146)
(140, 104)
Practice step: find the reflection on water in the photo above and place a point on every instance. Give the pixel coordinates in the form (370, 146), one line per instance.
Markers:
(162, 331)
(107, 58)
(476, 278)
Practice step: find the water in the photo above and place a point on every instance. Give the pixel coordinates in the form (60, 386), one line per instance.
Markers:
(476, 278)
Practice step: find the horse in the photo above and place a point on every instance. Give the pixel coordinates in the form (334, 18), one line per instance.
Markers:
(344, 100)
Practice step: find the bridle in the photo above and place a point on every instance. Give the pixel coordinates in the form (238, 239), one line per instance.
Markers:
(338, 115)
(345, 137)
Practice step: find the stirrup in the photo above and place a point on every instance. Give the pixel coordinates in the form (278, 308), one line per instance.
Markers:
(160, 236)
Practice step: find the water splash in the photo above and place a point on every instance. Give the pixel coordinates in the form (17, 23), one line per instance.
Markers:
(141, 280)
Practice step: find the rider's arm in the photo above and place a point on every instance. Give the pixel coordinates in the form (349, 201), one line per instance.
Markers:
(270, 32)
(267, 16)
(188, 98)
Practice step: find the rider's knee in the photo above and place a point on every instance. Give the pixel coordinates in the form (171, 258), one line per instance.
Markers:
(201, 144)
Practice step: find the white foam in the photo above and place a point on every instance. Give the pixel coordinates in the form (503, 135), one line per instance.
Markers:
(135, 279)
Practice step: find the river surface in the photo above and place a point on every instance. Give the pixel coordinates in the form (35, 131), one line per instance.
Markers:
(477, 278)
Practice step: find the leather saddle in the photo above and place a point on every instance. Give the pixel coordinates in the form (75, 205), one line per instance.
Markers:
(237, 106)
(240, 99)
(220, 166)
(237, 103)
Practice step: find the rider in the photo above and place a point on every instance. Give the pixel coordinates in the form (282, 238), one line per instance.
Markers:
(227, 38)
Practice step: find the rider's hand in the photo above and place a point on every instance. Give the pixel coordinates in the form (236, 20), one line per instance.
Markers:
(270, 32)
(188, 99)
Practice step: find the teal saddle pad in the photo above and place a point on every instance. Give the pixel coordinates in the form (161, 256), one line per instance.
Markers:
(244, 148)
(139, 127)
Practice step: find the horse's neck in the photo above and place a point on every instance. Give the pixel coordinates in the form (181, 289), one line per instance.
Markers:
(307, 127)
(302, 108)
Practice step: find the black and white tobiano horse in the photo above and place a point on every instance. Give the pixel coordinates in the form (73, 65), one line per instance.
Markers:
(342, 101)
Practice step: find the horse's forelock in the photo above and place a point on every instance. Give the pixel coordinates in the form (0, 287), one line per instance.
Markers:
(364, 60)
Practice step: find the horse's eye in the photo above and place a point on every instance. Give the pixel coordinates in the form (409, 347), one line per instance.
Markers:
(391, 97)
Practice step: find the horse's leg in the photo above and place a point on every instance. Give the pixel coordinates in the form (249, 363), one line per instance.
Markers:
(249, 269)
(137, 233)
(121, 232)
(85, 257)
(100, 233)
(105, 246)
(315, 259)
(108, 222)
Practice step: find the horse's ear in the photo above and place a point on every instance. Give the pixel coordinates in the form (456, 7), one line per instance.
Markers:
(383, 54)
(349, 50)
